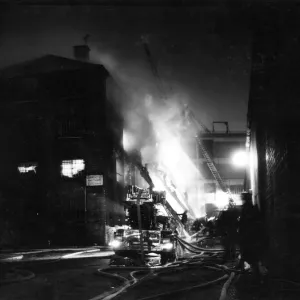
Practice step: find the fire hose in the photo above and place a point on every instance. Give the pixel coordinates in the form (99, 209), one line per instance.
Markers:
(162, 269)
(135, 281)
(198, 248)
(187, 289)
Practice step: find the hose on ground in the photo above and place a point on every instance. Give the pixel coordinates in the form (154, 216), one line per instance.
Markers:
(161, 269)
(127, 283)
(225, 287)
(31, 275)
(286, 281)
(195, 261)
(199, 248)
(187, 289)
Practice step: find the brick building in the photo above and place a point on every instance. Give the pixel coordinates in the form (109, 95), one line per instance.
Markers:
(59, 126)
(274, 122)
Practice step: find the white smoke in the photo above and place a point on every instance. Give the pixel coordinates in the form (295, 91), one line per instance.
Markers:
(152, 124)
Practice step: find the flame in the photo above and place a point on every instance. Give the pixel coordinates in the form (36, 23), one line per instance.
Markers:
(159, 186)
(170, 155)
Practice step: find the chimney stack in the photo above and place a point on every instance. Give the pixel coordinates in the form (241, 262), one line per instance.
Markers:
(81, 52)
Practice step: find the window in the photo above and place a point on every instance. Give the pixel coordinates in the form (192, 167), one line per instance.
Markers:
(69, 168)
(119, 170)
(27, 167)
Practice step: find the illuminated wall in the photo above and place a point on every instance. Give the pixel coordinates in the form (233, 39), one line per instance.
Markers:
(221, 147)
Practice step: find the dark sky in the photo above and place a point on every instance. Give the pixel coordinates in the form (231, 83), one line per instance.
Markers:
(201, 52)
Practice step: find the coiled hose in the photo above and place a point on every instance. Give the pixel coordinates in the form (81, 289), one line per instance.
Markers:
(196, 248)
(188, 263)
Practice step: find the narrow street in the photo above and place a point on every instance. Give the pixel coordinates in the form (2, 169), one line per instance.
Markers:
(73, 277)
(150, 150)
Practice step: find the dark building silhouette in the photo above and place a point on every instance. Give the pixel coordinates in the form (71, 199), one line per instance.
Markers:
(274, 128)
(60, 127)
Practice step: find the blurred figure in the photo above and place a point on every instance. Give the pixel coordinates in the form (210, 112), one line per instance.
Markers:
(199, 224)
(184, 219)
(227, 228)
(252, 236)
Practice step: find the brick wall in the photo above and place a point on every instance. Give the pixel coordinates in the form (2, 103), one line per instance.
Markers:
(275, 138)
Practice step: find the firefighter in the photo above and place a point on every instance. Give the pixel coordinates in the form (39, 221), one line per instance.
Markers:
(252, 236)
(184, 219)
(227, 227)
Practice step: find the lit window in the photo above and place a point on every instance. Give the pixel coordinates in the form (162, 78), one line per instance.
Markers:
(28, 167)
(119, 170)
(69, 168)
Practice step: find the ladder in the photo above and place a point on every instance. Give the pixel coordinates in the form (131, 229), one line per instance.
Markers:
(136, 161)
(213, 168)
(189, 116)
(171, 212)
(201, 127)
(163, 176)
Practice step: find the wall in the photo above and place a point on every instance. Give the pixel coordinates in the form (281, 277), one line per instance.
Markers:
(274, 121)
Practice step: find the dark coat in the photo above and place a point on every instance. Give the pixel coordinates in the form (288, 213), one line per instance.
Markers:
(252, 234)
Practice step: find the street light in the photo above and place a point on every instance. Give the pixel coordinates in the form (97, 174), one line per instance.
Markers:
(240, 159)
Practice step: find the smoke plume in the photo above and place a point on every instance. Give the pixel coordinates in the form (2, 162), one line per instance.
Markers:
(152, 122)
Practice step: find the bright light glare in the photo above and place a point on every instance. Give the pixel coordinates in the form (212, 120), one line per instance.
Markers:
(69, 168)
(159, 186)
(222, 199)
(170, 152)
(240, 159)
(177, 163)
(115, 244)
(167, 246)
(27, 168)
(128, 141)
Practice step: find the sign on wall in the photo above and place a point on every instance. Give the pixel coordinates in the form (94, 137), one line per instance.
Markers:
(94, 180)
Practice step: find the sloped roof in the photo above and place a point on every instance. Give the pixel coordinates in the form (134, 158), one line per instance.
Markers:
(46, 64)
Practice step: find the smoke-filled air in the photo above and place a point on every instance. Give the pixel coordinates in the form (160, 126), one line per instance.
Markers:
(154, 125)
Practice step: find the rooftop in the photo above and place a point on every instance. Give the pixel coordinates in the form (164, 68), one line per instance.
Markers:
(46, 64)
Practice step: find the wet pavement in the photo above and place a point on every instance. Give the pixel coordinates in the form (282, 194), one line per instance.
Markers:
(69, 274)
(61, 279)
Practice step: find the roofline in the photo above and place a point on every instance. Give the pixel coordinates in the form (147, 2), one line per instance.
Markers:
(224, 134)
(28, 62)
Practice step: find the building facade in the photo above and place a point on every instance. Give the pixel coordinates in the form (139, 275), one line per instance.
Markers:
(221, 146)
(274, 122)
(62, 164)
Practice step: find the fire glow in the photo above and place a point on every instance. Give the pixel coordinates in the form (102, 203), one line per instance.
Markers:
(172, 158)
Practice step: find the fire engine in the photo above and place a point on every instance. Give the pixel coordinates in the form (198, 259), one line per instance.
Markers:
(152, 223)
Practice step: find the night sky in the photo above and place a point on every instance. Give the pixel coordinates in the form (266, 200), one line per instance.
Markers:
(203, 53)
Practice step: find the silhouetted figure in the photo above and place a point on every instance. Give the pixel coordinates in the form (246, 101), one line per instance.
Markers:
(228, 229)
(184, 219)
(252, 235)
